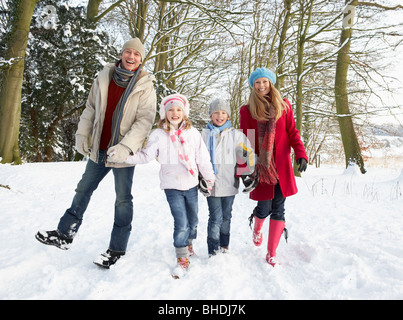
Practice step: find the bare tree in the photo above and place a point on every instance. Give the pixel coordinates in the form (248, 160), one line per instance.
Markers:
(351, 144)
(186, 43)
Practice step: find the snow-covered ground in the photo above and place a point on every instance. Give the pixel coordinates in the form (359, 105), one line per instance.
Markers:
(345, 240)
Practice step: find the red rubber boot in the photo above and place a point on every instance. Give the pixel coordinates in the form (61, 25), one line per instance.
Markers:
(276, 229)
(257, 231)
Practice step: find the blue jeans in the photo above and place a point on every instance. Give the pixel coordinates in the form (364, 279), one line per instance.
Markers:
(274, 207)
(184, 209)
(71, 221)
(219, 223)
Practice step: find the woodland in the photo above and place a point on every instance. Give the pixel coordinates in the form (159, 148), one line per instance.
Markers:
(330, 57)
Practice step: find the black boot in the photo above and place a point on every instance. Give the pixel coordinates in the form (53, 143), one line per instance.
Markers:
(53, 238)
(107, 259)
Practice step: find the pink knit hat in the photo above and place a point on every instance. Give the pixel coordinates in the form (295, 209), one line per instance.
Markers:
(174, 100)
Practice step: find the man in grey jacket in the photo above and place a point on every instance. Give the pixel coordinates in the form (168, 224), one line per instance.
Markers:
(119, 115)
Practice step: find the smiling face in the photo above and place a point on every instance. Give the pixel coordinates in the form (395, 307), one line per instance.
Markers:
(262, 86)
(131, 59)
(175, 116)
(219, 117)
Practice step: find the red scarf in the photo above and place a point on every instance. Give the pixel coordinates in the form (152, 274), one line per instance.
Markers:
(266, 167)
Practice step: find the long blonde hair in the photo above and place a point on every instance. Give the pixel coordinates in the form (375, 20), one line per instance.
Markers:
(165, 125)
(259, 106)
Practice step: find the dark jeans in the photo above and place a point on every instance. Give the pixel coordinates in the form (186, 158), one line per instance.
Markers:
(273, 207)
(71, 221)
(219, 223)
(184, 209)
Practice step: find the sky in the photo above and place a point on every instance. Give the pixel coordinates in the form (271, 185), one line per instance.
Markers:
(396, 71)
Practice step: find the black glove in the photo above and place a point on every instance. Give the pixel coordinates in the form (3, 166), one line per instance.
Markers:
(302, 164)
(204, 186)
(250, 182)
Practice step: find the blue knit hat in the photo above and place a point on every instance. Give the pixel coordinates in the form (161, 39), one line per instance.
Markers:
(261, 73)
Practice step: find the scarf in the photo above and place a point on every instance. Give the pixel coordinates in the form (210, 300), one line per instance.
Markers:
(122, 76)
(176, 138)
(266, 167)
(212, 140)
(126, 79)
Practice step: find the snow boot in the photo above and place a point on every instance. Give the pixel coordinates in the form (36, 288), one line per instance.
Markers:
(191, 251)
(108, 259)
(257, 230)
(276, 229)
(224, 249)
(182, 266)
(53, 238)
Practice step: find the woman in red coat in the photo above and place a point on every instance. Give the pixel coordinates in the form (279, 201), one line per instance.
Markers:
(269, 124)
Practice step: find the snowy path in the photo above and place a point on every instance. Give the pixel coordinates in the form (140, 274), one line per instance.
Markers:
(345, 241)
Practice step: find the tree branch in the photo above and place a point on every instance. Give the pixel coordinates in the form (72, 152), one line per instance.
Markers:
(380, 6)
(100, 16)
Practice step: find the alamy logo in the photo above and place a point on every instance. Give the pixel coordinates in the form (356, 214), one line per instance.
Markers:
(349, 13)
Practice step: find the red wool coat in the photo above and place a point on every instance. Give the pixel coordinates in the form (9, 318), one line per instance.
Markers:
(287, 136)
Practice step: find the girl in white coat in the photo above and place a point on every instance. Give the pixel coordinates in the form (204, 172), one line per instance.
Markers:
(182, 154)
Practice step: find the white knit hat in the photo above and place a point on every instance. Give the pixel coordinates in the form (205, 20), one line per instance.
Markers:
(174, 100)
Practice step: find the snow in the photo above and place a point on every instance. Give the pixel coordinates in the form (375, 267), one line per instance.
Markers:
(345, 240)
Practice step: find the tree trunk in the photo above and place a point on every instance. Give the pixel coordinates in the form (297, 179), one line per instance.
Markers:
(11, 82)
(351, 146)
(305, 21)
(282, 44)
(93, 9)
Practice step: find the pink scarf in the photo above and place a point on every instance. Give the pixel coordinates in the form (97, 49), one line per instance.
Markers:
(180, 144)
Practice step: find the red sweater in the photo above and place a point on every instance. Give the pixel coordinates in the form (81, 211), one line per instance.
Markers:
(114, 94)
(287, 136)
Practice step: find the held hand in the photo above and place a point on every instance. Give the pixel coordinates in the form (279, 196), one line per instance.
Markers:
(250, 182)
(118, 153)
(205, 186)
(130, 160)
(302, 164)
(82, 145)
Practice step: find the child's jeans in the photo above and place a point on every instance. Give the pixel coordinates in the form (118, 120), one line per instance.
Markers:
(219, 223)
(184, 209)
